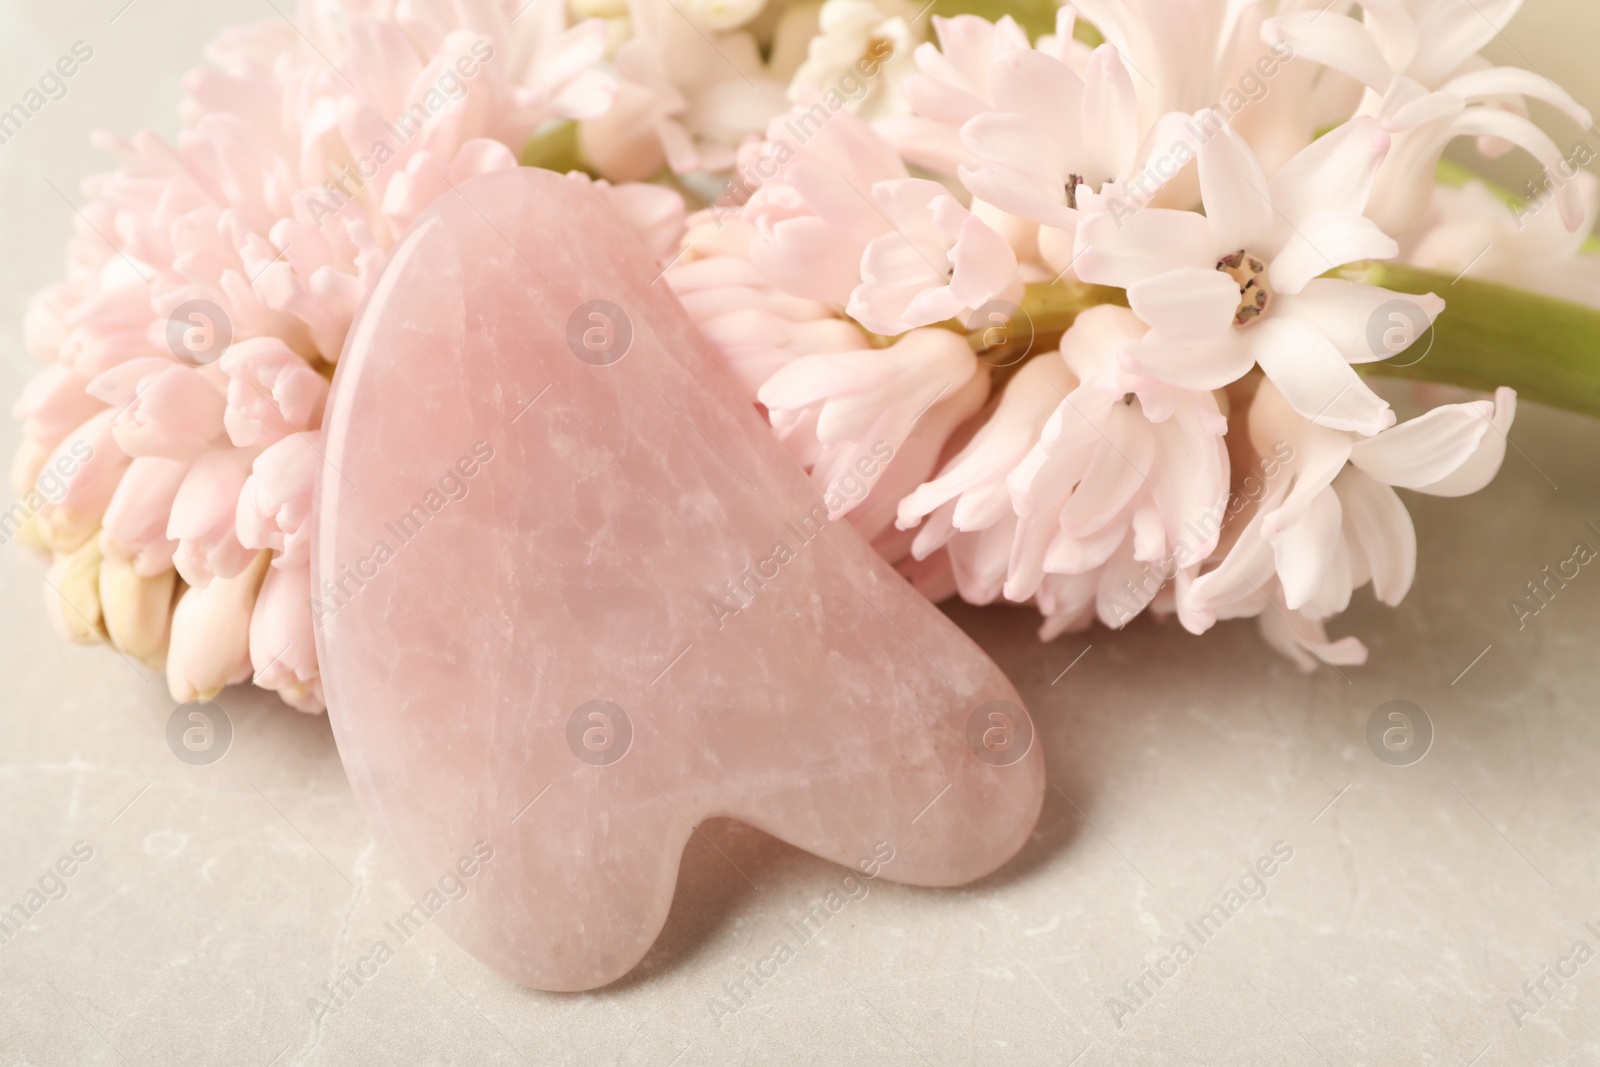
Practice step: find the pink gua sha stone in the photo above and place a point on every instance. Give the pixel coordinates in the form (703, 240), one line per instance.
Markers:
(531, 504)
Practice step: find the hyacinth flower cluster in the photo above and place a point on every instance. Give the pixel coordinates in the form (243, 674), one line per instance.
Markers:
(1078, 315)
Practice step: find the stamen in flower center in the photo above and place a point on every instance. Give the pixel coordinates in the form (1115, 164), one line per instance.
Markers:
(1073, 181)
(1255, 295)
(878, 51)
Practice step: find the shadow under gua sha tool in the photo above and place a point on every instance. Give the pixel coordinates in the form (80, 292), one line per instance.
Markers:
(576, 599)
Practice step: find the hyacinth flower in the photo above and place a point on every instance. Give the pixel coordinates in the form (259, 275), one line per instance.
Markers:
(1105, 300)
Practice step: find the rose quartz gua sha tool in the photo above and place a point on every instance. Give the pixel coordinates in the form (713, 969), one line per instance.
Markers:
(576, 599)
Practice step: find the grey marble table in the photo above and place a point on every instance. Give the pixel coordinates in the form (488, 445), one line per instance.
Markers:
(209, 909)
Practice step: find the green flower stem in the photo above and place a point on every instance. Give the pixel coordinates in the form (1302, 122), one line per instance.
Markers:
(1049, 310)
(555, 148)
(1548, 350)
(1036, 17)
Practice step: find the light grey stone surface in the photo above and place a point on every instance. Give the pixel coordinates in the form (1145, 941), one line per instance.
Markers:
(1416, 903)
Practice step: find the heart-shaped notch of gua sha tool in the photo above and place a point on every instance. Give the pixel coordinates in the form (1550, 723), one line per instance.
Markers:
(540, 485)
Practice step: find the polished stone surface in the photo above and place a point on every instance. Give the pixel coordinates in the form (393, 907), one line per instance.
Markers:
(576, 599)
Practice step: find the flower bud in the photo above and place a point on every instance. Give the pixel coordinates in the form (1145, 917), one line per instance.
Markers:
(283, 648)
(275, 503)
(162, 408)
(26, 465)
(202, 519)
(272, 392)
(54, 404)
(75, 485)
(137, 610)
(135, 523)
(72, 594)
(210, 643)
(20, 521)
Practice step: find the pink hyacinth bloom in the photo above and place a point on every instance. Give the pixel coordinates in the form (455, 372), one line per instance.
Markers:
(1425, 80)
(757, 328)
(1082, 470)
(835, 281)
(276, 499)
(135, 523)
(283, 650)
(72, 511)
(272, 392)
(202, 520)
(1053, 132)
(952, 84)
(814, 219)
(210, 644)
(1332, 521)
(836, 410)
(53, 404)
(939, 262)
(301, 157)
(164, 408)
(1240, 286)
(687, 97)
